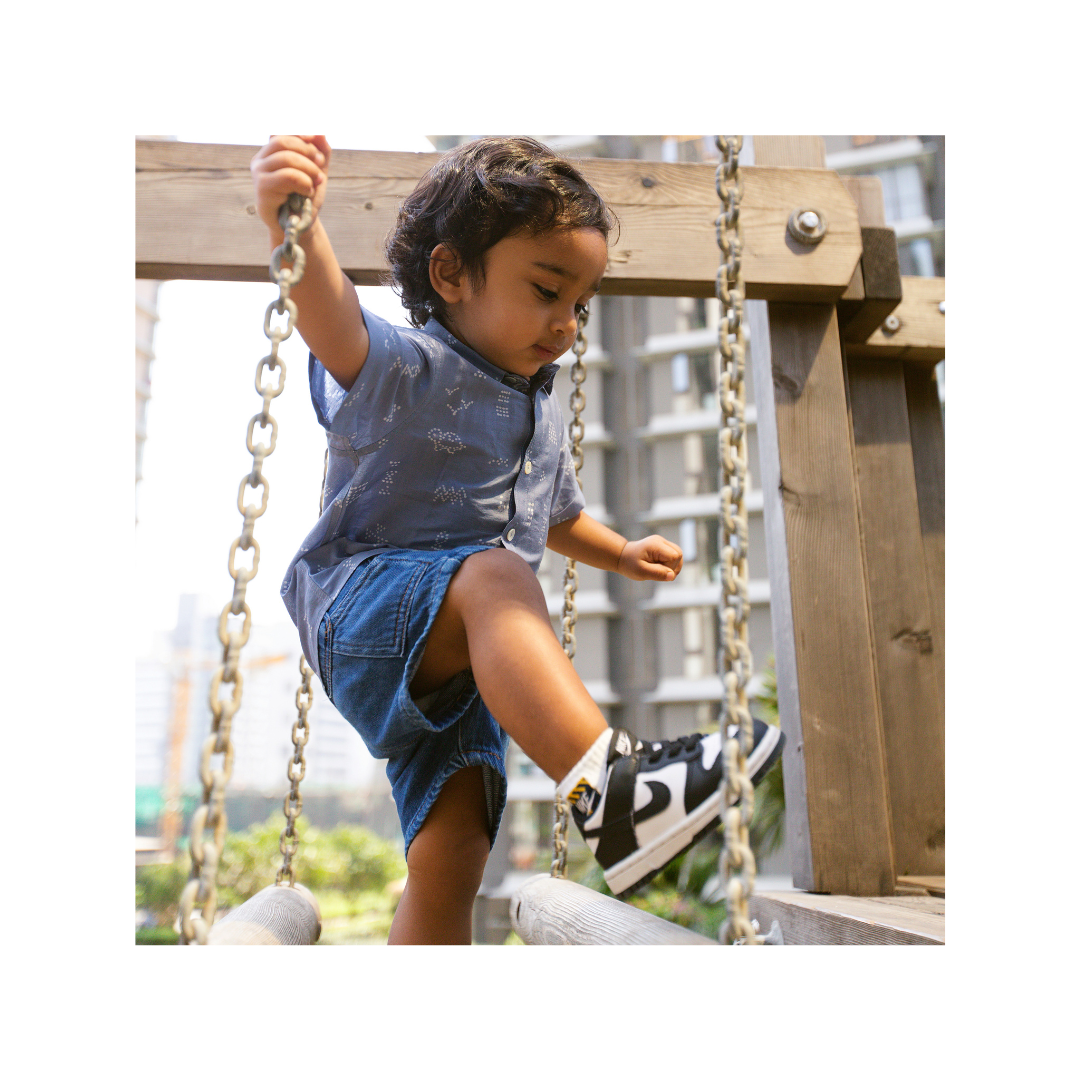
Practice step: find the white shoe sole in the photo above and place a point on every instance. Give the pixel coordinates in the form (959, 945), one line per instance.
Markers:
(626, 874)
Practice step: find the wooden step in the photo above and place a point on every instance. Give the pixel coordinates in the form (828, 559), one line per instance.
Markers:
(820, 919)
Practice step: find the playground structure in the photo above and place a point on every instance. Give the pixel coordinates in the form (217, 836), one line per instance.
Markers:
(852, 461)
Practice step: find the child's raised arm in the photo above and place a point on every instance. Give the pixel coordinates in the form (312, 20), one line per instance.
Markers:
(328, 312)
(589, 541)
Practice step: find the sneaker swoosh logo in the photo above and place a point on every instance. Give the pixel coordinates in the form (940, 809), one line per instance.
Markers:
(661, 799)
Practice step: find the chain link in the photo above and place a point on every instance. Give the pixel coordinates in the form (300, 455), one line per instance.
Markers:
(209, 824)
(301, 732)
(737, 865)
(570, 575)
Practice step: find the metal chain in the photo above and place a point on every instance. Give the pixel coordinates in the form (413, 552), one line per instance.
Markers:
(294, 803)
(208, 825)
(737, 865)
(301, 732)
(570, 575)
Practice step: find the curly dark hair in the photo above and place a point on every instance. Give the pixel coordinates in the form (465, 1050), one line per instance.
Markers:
(475, 196)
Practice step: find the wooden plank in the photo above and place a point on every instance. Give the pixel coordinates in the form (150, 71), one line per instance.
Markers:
(834, 771)
(554, 911)
(912, 711)
(932, 884)
(195, 218)
(808, 919)
(789, 151)
(928, 454)
(921, 336)
(869, 199)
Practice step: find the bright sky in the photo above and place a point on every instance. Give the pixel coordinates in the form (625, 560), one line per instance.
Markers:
(207, 344)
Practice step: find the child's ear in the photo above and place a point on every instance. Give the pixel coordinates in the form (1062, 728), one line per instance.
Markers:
(446, 274)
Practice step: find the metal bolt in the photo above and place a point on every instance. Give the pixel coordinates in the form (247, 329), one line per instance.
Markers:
(891, 325)
(941, 307)
(807, 226)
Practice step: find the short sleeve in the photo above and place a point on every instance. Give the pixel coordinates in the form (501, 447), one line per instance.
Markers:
(567, 500)
(392, 384)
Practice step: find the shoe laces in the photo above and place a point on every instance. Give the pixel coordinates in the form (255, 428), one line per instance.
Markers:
(675, 748)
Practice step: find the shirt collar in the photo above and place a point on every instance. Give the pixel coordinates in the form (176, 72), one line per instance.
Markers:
(542, 380)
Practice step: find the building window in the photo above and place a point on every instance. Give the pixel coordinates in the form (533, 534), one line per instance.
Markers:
(917, 258)
(904, 192)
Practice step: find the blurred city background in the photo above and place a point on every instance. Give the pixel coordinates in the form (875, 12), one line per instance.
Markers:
(646, 653)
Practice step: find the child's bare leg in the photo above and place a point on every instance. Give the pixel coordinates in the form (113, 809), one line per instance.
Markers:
(446, 864)
(494, 619)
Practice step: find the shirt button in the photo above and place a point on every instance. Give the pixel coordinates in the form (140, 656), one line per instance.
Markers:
(510, 535)
(528, 467)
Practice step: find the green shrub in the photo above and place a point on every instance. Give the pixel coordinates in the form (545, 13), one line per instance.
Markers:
(348, 859)
(157, 935)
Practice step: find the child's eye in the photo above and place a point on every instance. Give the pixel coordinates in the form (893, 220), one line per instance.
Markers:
(582, 309)
(547, 294)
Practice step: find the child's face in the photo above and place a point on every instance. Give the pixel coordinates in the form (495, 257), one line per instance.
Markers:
(525, 314)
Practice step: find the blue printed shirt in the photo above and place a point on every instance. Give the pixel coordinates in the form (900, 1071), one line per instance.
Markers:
(432, 447)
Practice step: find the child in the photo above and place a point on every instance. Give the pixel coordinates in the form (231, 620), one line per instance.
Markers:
(415, 594)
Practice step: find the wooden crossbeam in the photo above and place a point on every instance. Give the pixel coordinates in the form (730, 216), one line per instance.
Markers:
(920, 336)
(195, 218)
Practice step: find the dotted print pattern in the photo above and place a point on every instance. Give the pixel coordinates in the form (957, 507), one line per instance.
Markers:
(446, 440)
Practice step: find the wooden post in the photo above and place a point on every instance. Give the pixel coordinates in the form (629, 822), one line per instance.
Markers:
(839, 822)
(912, 709)
(928, 455)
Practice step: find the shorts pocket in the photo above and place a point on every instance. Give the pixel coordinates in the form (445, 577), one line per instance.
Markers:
(371, 616)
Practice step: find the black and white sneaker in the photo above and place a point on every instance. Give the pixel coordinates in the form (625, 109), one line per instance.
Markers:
(659, 799)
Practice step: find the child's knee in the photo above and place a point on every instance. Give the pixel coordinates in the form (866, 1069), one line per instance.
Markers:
(497, 570)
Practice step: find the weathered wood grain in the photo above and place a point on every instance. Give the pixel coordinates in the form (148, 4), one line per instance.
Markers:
(790, 151)
(808, 919)
(195, 218)
(912, 711)
(928, 454)
(921, 336)
(834, 773)
(932, 884)
(278, 915)
(550, 911)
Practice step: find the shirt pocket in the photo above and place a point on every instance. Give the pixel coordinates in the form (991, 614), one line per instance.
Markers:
(371, 617)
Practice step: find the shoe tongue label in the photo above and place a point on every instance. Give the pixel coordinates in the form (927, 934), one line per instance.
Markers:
(584, 798)
(622, 744)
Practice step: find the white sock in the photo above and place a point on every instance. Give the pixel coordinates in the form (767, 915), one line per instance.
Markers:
(591, 770)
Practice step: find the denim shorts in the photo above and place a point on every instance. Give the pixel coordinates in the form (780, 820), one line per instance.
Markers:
(371, 641)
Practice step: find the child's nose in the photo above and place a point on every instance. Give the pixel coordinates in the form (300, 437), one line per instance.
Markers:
(566, 323)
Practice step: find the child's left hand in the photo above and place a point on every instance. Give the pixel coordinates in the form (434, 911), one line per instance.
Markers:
(651, 559)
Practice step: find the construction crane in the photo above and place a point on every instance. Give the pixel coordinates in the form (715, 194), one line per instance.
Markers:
(172, 815)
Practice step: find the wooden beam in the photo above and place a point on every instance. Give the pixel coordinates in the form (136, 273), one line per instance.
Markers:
(806, 919)
(920, 338)
(195, 218)
(928, 457)
(554, 911)
(277, 915)
(875, 289)
(912, 709)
